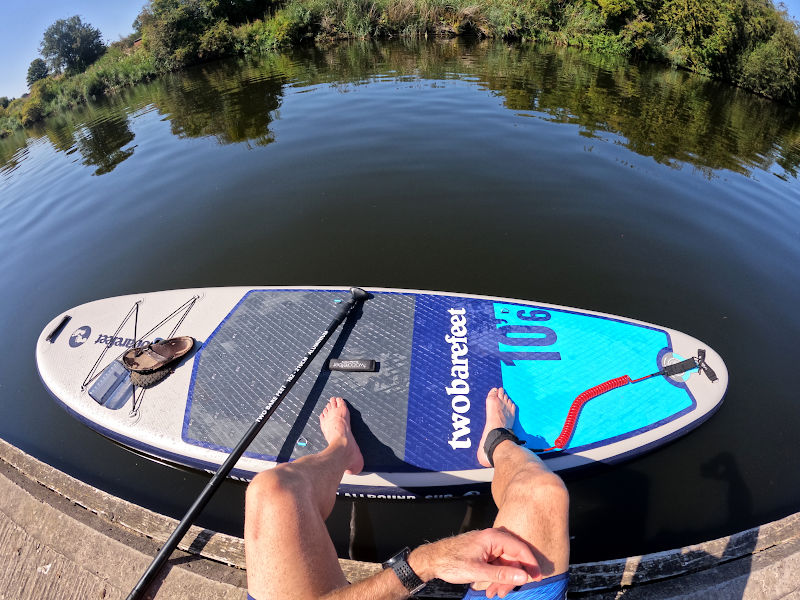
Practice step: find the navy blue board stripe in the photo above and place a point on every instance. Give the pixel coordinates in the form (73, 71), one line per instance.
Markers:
(453, 366)
(544, 358)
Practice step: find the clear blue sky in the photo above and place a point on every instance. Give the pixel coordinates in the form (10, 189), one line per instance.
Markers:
(23, 22)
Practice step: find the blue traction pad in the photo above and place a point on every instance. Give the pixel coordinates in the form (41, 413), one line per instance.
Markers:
(253, 351)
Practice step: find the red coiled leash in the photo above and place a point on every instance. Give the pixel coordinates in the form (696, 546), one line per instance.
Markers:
(575, 410)
(578, 403)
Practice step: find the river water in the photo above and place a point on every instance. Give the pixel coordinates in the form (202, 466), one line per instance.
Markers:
(525, 172)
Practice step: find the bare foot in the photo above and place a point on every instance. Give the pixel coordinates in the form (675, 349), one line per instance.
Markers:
(500, 412)
(335, 424)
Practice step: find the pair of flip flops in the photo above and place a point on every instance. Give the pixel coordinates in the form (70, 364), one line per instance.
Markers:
(152, 362)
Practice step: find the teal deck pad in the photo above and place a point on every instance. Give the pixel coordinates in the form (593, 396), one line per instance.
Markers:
(574, 353)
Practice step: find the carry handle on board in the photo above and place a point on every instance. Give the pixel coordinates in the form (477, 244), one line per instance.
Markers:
(357, 295)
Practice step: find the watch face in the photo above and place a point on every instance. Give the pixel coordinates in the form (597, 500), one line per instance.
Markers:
(402, 555)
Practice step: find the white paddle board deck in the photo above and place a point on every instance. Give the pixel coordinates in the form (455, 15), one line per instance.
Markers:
(418, 417)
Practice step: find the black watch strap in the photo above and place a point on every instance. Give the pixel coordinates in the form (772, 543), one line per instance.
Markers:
(493, 439)
(399, 564)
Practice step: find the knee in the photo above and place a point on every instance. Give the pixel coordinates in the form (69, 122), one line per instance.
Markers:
(275, 491)
(543, 490)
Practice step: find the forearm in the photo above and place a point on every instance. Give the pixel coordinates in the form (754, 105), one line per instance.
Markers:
(386, 585)
(383, 586)
(494, 558)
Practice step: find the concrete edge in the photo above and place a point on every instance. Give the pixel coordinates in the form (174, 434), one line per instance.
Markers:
(212, 545)
(779, 539)
(669, 564)
(53, 548)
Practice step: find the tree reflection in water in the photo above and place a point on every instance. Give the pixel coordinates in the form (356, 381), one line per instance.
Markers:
(675, 117)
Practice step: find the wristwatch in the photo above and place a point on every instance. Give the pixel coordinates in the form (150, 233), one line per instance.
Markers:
(399, 564)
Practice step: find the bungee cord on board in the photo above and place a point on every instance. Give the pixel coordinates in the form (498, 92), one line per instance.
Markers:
(183, 310)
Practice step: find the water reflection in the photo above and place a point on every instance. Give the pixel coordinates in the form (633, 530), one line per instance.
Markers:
(101, 143)
(671, 116)
(674, 117)
(231, 101)
(12, 150)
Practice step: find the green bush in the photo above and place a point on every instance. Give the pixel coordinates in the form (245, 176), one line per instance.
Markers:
(217, 41)
(705, 33)
(584, 25)
(638, 36)
(93, 85)
(8, 123)
(173, 31)
(44, 90)
(773, 67)
(287, 26)
(70, 93)
(32, 112)
(616, 10)
(118, 69)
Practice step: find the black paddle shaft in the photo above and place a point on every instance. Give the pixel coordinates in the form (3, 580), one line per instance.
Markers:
(356, 295)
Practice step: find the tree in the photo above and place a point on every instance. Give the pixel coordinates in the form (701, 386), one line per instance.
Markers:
(37, 70)
(71, 45)
(4, 102)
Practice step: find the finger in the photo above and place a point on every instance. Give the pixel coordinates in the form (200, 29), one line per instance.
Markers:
(503, 561)
(511, 550)
(504, 575)
(533, 570)
(508, 545)
(498, 590)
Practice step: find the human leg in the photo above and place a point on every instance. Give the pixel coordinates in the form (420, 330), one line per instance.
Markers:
(532, 501)
(288, 549)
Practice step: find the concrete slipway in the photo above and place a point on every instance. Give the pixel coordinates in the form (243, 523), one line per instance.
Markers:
(62, 539)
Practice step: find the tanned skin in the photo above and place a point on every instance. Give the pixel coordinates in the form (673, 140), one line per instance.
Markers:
(290, 553)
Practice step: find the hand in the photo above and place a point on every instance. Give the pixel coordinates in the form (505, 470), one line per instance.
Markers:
(497, 559)
(492, 589)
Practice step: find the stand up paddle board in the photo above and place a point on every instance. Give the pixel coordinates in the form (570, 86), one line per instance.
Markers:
(414, 366)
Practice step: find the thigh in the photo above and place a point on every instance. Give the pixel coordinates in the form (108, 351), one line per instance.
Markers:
(538, 512)
(288, 549)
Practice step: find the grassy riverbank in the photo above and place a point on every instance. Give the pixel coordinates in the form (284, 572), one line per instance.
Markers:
(748, 43)
(114, 70)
